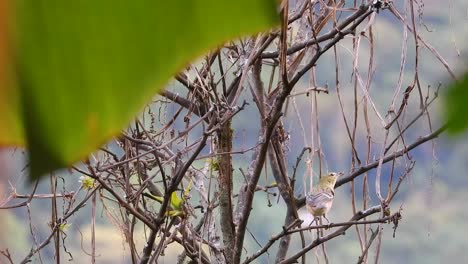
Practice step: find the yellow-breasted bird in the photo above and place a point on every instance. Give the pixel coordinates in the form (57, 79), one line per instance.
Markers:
(320, 199)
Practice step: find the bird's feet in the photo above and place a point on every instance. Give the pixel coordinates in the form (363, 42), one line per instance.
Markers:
(328, 223)
(316, 220)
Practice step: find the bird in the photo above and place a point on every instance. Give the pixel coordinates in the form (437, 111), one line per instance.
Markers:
(320, 199)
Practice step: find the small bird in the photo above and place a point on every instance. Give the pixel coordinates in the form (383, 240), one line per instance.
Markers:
(320, 200)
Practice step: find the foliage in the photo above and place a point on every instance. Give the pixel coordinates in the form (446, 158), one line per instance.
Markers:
(455, 102)
(87, 182)
(80, 71)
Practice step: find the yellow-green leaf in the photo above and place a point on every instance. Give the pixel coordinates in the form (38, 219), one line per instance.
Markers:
(85, 68)
(176, 202)
(157, 198)
(174, 213)
(87, 182)
(187, 190)
(11, 130)
(64, 226)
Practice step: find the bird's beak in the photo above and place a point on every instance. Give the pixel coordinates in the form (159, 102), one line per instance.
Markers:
(340, 174)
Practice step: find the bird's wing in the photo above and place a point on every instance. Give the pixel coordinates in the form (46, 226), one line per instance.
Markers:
(320, 197)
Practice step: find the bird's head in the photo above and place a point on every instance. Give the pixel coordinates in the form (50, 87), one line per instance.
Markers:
(331, 178)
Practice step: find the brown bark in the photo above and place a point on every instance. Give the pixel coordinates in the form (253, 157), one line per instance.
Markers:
(225, 189)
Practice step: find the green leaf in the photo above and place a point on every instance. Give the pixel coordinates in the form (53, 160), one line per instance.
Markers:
(176, 202)
(11, 129)
(64, 227)
(156, 198)
(187, 190)
(174, 213)
(85, 68)
(214, 164)
(87, 182)
(456, 105)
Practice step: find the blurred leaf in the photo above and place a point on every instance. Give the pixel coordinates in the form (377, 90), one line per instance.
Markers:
(87, 182)
(176, 202)
(11, 130)
(456, 105)
(157, 198)
(174, 213)
(187, 190)
(64, 227)
(214, 164)
(85, 68)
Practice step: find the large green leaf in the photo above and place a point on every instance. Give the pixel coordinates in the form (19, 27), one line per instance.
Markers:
(85, 68)
(456, 105)
(11, 132)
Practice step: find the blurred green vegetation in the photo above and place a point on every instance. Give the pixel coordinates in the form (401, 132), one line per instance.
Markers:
(79, 72)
